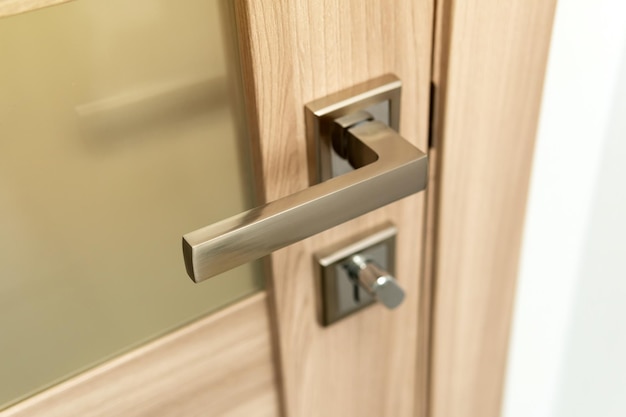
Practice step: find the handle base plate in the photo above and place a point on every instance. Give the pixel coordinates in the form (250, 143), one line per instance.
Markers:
(379, 96)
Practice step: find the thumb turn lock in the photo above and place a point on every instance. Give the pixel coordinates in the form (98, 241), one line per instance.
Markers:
(377, 282)
(356, 273)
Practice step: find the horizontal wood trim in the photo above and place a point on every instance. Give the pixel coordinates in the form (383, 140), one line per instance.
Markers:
(218, 366)
(11, 7)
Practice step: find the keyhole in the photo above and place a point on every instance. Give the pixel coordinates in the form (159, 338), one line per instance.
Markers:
(356, 291)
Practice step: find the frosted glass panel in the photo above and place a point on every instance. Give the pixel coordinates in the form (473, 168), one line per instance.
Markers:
(120, 130)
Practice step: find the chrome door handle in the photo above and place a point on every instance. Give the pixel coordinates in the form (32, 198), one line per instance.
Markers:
(388, 168)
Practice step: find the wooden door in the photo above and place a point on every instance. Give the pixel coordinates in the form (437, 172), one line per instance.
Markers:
(270, 352)
(269, 355)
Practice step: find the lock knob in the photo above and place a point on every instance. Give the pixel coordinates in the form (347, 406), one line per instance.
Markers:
(376, 281)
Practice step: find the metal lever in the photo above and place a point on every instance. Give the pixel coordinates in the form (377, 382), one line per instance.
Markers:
(375, 281)
(387, 168)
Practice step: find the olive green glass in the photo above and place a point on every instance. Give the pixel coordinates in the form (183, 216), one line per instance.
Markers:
(121, 129)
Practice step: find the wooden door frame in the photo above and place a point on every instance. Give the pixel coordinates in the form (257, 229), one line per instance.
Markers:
(481, 162)
(488, 71)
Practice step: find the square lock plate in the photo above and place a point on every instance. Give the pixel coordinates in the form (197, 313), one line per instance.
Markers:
(341, 295)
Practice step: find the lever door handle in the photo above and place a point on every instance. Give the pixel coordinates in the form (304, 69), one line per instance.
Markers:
(388, 168)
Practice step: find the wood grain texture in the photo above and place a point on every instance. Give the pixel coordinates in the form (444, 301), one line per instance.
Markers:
(425, 312)
(297, 51)
(219, 366)
(492, 76)
(11, 7)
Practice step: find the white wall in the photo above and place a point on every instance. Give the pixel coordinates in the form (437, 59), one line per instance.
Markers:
(568, 346)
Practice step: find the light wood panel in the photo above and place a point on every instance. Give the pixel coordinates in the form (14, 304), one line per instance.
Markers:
(491, 75)
(11, 7)
(298, 51)
(219, 366)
